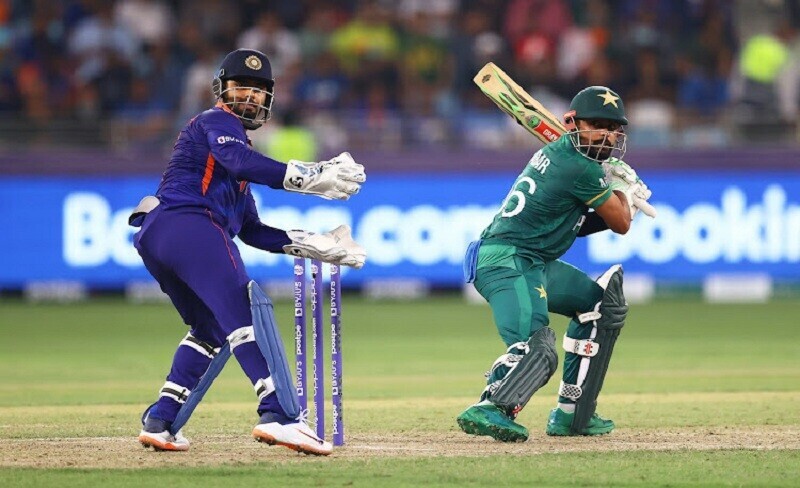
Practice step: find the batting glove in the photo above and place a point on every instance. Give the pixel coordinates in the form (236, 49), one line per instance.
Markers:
(621, 177)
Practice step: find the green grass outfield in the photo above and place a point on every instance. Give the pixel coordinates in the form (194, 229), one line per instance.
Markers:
(704, 395)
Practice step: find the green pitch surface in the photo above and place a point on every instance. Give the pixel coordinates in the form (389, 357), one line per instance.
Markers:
(702, 395)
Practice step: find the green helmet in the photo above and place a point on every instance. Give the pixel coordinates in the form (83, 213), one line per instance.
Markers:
(597, 102)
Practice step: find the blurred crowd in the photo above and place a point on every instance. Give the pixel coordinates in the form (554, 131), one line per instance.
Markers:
(398, 73)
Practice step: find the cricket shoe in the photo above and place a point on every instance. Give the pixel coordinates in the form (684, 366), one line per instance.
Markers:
(155, 433)
(296, 435)
(560, 423)
(486, 418)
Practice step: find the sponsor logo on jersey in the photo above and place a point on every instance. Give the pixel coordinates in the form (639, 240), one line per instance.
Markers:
(227, 139)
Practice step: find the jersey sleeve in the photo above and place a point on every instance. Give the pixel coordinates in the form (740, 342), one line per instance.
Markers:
(592, 225)
(590, 187)
(259, 235)
(229, 148)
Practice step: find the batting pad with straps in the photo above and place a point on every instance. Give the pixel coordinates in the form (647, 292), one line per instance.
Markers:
(268, 339)
(607, 320)
(528, 372)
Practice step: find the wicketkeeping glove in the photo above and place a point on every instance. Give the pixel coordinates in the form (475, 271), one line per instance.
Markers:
(336, 246)
(335, 179)
(621, 177)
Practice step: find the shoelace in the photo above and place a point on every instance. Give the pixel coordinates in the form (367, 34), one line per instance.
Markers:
(303, 417)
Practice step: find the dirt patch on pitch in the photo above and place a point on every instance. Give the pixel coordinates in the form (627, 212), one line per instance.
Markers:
(209, 451)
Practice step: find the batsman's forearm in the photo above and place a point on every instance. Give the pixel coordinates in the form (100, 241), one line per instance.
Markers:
(615, 211)
(623, 197)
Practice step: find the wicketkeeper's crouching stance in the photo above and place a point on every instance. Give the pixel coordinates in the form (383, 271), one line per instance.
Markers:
(515, 266)
(186, 243)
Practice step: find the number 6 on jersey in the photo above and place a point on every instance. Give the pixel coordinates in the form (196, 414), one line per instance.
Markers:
(520, 197)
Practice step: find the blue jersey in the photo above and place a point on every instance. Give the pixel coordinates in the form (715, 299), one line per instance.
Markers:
(210, 170)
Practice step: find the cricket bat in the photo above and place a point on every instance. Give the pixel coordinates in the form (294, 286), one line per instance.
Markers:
(517, 103)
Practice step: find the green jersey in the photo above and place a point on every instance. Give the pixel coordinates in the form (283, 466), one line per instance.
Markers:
(545, 208)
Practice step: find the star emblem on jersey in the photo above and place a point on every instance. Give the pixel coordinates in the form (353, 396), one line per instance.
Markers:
(253, 62)
(542, 292)
(609, 98)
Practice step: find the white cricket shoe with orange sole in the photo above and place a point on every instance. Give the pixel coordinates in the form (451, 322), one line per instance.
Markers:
(155, 434)
(164, 441)
(297, 436)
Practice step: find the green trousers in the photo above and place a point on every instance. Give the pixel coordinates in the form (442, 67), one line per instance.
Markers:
(521, 292)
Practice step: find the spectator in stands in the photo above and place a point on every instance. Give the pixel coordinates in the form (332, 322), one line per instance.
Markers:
(269, 36)
(375, 116)
(315, 33)
(368, 46)
(787, 83)
(289, 139)
(143, 117)
(427, 71)
(703, 86)
(196, 94)
(650, 103)
(322, 86)
(441, 14)
(651, 79)
(475, 45)
(151, 21)
(550, 18)
(105, 52)
(65, 60)
(163, 63)
(535, 58)
(765, 107)
(10, 103)
(220, 21)
(43, 71)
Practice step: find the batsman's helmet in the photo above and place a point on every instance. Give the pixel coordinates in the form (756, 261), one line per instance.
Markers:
(246, 64)
(596, 103)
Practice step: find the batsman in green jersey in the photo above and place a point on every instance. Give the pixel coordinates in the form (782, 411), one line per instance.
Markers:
(572, 187)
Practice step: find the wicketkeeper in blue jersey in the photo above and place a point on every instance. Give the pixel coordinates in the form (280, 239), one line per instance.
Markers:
(186, 242)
